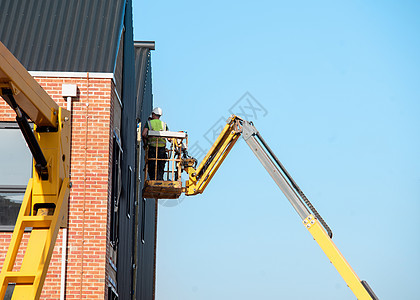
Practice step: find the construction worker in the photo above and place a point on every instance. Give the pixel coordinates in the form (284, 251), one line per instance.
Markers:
(157, 146)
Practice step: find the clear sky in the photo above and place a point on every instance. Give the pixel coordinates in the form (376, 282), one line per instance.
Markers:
(335, 91)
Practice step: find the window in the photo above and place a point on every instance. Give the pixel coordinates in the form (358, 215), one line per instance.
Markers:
(16, 162)
(143, 219)
(129, 186)
(11, 198)
(112, 294)
(116, 190)
(9, 291)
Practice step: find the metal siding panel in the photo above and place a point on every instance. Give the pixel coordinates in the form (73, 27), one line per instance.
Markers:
(119, 67)
(146, 271)
(32, 36)
(71, 34)
(141, 70)
(118, 34)
(97, 26)
(65, 35)
(4, 22)
(91, 33)
(55, 48)
(14, 22)
(128, 137)
(146, 252)
(111, 28)
(44, 53)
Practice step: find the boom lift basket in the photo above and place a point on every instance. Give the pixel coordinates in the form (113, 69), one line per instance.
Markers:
(168, 186)
(177, 160)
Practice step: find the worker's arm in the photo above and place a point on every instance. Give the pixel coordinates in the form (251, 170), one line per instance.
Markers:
(145, 132)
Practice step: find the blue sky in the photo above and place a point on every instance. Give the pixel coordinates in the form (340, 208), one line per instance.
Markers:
(337, 85)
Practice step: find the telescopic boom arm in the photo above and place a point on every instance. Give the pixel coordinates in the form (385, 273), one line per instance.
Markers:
(200, 177)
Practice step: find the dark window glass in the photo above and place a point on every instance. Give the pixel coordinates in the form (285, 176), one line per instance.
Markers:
(143, 219)
(15, 171)
(129, 186)
(10, 201)
(112, 295)
(9, 291)
(116, 191)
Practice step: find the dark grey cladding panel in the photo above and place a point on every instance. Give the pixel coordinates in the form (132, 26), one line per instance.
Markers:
(148, 208)
(142, 57)
(63, 35)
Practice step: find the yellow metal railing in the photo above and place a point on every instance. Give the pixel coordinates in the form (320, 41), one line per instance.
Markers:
(163, 167)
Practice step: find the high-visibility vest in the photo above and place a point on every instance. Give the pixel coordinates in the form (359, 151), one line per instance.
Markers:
(157, 125)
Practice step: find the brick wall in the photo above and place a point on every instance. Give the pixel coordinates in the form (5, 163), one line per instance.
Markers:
(87, 248)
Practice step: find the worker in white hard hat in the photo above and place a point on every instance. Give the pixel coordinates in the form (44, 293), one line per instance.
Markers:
(157, 146)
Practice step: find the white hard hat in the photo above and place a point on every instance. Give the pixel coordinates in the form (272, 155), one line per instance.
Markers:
(157, 111)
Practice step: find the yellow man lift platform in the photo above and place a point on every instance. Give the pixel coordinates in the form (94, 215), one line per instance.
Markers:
(171, 187)
(160, 189)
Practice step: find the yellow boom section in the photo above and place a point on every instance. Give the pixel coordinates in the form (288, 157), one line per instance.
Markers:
(199, 178)
(45, 205)
(336, 258)
(29, 95)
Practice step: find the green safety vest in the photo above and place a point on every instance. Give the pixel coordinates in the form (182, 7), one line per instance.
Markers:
(157, 125)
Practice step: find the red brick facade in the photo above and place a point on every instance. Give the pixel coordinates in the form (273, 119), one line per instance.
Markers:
(96, 114)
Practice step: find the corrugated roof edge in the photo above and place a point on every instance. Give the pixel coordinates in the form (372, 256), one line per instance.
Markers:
(145, 44)
(120, 32)
(56, 74)
(71, 74)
